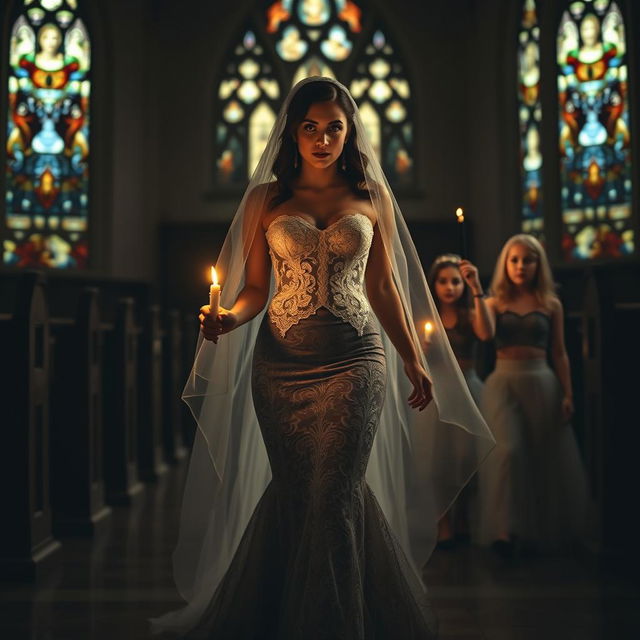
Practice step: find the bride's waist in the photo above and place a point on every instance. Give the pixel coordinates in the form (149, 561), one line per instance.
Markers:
(287, 301)
(287, 312)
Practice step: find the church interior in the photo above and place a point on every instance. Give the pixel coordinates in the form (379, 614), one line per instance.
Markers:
(131, 130)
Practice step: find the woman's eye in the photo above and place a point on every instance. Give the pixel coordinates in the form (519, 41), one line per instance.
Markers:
(335, 127)
(309, 127)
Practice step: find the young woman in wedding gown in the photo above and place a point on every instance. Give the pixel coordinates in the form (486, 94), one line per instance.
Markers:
(281, 535)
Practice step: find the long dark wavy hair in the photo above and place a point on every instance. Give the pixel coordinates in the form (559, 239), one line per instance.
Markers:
(463, 303)
(354, 161)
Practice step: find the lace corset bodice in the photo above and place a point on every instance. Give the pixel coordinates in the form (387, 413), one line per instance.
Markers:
(319, 268)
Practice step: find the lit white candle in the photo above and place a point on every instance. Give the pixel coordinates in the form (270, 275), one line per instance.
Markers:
(428, 330)
(463, 235)
(214, 292)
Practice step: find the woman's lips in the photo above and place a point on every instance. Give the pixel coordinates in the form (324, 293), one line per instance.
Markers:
(321, 154)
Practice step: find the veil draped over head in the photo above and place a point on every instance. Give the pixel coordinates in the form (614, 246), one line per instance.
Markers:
(414, 476)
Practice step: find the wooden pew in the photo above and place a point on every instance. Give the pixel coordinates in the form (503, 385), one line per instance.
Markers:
(623, 530)
(27, 546)
(172, 384)
(77, 481)
(146, 383)
(151, 462)
(611, 349)
(120, 421)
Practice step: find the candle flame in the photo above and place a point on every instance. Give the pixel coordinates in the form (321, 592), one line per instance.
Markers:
(460, 214)
(428, 327)
(214, 276)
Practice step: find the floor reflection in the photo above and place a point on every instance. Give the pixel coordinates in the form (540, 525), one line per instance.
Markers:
(109, 586)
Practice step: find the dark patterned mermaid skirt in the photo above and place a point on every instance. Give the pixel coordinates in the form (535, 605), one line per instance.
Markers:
(318, 560)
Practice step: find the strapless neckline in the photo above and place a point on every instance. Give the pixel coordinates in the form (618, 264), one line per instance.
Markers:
(524, 315)
(318, 229)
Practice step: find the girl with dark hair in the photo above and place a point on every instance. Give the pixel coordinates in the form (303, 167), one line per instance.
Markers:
(302, 383)
(466, 320)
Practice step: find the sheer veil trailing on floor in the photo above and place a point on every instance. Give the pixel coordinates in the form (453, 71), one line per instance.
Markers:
(413, 479)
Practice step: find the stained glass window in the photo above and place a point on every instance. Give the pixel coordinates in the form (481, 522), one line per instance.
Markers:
(380, 87)
(248, 98)
(47, 167)
(594, 133)
(529, 117)
(301, 38)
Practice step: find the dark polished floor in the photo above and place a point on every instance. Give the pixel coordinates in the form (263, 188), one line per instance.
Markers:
(108, 587)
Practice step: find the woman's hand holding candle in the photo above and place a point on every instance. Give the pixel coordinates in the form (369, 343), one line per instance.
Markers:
(214, 319)
(214, 325)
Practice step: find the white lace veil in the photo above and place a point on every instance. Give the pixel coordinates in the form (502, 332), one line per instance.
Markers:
(412, 471)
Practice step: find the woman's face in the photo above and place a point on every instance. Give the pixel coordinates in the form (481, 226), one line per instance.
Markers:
(321, 134)
(449, 285)
(50, 40)
(522, 265)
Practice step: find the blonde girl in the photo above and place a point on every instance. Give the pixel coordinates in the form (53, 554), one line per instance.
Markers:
(532, 485)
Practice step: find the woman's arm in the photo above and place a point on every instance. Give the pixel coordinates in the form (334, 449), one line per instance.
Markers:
(253, 297)
(482, 318)
(386, 304)
(560, 358)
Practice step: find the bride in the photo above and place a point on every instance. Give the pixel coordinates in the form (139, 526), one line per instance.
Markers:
(281, 536)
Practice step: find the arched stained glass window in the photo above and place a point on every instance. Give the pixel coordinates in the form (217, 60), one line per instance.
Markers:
(594, 132)
(248, 99)
(530, 116)
(300, 38)
(380, 86)
(47, 179)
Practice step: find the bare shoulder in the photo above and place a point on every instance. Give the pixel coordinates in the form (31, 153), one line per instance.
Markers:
(366, 208)
(257, 200)
(261, 193)
(491, 302)
(379, 192)
(381, 202)
(555, 306)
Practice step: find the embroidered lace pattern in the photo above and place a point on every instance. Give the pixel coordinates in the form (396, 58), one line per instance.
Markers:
(319, 268)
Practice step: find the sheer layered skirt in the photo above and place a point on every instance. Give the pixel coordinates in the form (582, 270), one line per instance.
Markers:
(318, 559)
(533, 484)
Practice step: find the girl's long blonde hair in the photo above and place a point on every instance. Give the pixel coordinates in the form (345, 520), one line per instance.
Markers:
(543, 286)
